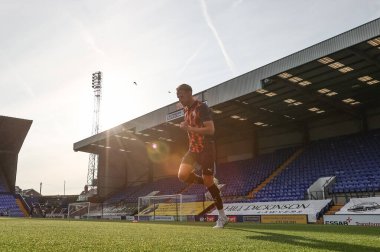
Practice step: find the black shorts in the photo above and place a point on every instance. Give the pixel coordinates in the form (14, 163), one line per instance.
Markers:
(205, 159)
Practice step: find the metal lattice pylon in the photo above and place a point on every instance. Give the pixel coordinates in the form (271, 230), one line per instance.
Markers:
(92, 174)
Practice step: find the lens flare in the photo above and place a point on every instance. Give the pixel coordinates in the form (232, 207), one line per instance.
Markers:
(158, 152)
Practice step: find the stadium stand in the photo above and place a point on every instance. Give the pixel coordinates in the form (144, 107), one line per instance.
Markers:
(9, 207)
(164, 186)
(125, 201)
(31, 201)
(8, 203)
(353, 159)
(3, 187)
(239, 177)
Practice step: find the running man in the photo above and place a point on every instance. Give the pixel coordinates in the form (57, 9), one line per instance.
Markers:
(200, 129)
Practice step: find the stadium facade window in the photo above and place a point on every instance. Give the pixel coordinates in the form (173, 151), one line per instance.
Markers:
(346, 69)
(324, 90)
(331, 93)
(216, 111)
(372, 82)
(295, 79)
(261, 91)
(355, 103)
(271, 94)
(326, 60)
(285, 75)
(365, 78)
(304, 83)
(374, 42)
(336, 65)
(289, 101)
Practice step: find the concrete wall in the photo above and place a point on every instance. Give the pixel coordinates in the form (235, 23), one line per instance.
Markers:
(374, 119)
(273, 139)
(232, 151)
(112, 173)
(117, 170)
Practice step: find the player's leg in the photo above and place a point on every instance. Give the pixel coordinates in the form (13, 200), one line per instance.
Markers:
(215, 194)
(186, 170)
(209, 182)
(208, 166)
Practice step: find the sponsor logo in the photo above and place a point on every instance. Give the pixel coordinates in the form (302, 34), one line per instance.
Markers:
(232, 219)
(364, 207)
(210, 218)
(174, 115)
(284, 219)
(303, 207)
(336, 222)
(294, 208)
(346, 222)
(255, 219)
(368, 224)
(163, 218)
(269, 207)
(356, 219)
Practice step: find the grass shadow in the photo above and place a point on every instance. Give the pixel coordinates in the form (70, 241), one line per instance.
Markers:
(305, 242)
(351, 230)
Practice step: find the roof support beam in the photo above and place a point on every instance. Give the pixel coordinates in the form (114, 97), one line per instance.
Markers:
(272, 116)
(365, 56)
(327, 100)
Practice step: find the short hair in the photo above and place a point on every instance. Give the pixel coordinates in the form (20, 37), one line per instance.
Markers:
(184, 87)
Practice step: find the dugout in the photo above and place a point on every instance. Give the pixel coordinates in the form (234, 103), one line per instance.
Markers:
(12, 134)
(329, 89)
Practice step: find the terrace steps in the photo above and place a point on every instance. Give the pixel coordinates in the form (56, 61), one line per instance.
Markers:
(276, 172)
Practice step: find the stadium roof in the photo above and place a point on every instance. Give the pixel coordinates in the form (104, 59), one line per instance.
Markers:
(12, 134)
(339, 76)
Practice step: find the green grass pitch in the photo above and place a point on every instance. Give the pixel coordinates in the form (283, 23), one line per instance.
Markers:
(22, 234)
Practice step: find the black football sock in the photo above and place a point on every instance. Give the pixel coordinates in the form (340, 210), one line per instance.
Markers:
(215, 193)
(194, 179)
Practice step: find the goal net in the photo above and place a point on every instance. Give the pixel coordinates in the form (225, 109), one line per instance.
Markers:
(176, 207)
(84, 210)
(87, 210)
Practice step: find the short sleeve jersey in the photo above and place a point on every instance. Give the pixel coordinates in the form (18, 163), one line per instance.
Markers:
(195, 116)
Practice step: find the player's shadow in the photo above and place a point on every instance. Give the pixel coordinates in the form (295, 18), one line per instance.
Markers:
(351, 230)
(304, 242)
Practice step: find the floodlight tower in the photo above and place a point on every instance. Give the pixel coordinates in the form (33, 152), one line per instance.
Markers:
(93, 159)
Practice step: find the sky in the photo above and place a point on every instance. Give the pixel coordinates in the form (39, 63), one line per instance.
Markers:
(49, 50)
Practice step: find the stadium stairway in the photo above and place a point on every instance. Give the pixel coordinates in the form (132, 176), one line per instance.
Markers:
(22, 207)
(330, 211)
(275, 173)
(333, 209)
